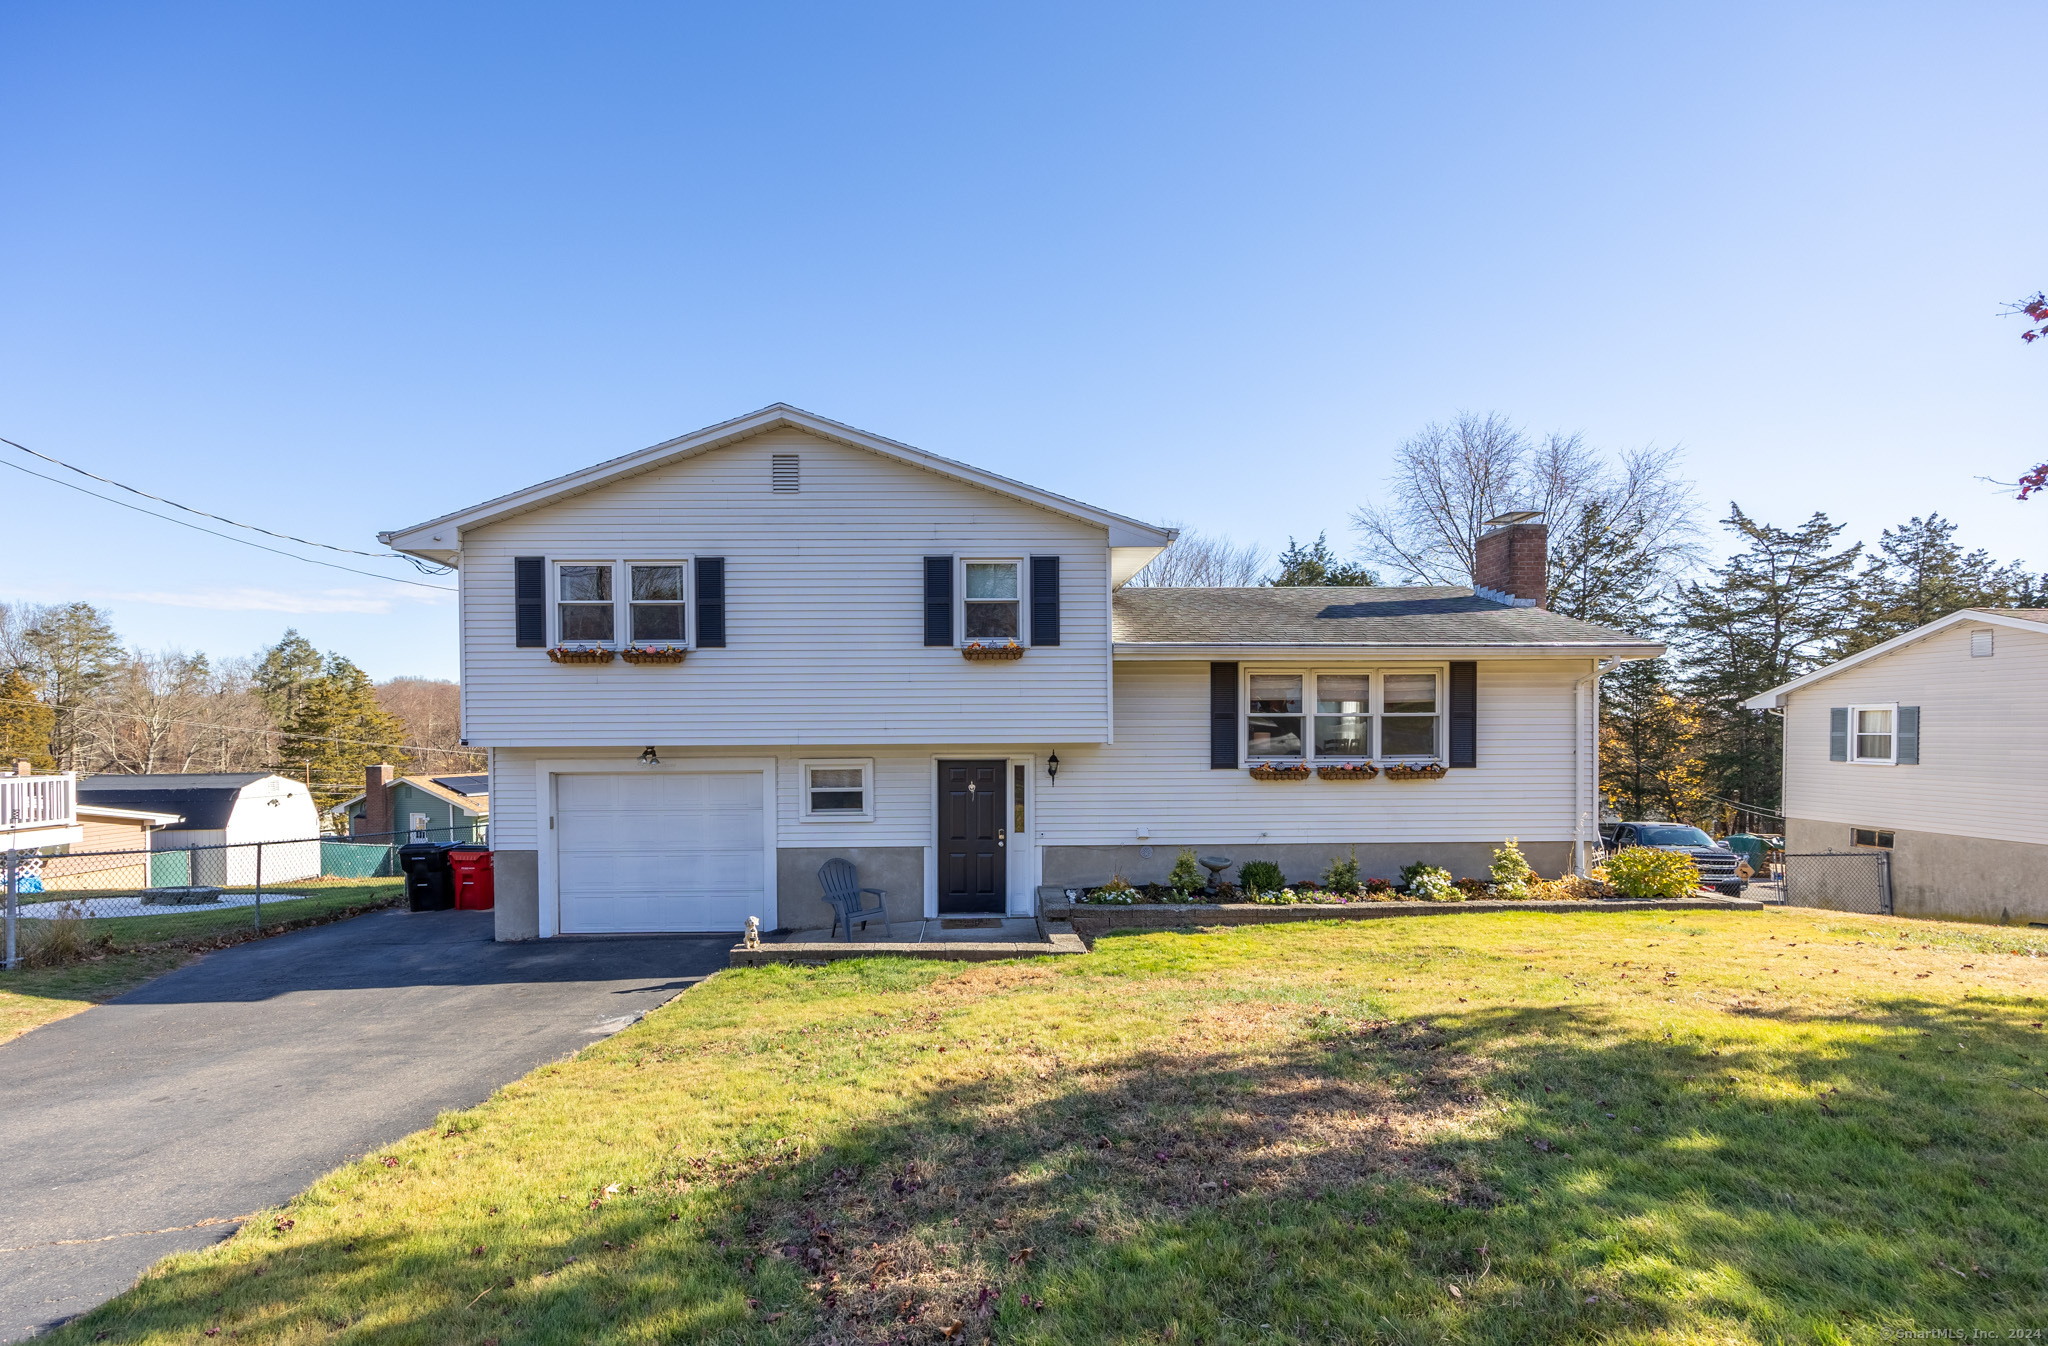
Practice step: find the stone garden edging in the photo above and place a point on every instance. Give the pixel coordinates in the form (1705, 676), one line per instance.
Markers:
(1091, 918)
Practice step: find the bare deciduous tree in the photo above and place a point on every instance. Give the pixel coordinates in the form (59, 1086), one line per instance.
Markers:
(431, 712)
(1197, 560)
(1621, 528)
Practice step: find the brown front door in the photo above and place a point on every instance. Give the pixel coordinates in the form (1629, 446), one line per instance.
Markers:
(972, 842)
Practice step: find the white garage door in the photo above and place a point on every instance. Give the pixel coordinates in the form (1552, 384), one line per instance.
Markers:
(660, 852)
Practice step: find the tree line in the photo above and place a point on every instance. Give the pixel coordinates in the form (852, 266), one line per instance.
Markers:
(1627, 552)
(74, 697)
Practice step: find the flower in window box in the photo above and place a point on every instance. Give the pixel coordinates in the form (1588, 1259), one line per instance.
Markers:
(983, 651)
(653, 654)
(1425, 771)
(579, 654)
(1348, 771)
(1280, 771)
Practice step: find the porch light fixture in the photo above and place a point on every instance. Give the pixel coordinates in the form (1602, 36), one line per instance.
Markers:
(648, 757)
(1052, 769)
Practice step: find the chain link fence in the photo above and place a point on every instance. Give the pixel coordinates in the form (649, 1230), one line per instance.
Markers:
(62, 905)
(1858, 881)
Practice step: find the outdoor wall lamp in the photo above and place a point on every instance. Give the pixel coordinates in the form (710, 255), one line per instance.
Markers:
(648, 757)
(1052, 769)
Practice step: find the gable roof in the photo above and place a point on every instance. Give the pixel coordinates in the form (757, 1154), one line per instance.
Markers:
(1176, 622)
(206, 800)
(475, 801)
(439, 539)
(2016, 619)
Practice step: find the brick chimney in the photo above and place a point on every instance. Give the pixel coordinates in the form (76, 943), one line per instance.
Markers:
(377, 799)
(1512, 561)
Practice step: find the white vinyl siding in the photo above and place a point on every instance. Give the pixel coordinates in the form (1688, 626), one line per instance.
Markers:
(1983, 769)
(824, 612)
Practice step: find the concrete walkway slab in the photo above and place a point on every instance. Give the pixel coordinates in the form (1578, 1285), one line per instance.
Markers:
(152, 1123)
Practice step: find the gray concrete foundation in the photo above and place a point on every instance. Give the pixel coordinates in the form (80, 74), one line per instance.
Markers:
(1947, 877)
(896, 870)
(516, 878)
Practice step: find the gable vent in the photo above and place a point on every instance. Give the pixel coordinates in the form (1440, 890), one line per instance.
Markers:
(1980, 644)
(782, 473)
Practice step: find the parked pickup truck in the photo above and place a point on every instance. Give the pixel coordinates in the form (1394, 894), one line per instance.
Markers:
(1716, 862)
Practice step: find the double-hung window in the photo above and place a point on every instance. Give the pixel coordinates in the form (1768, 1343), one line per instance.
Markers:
(655, 597)
(590, 596)
(992, 597)
(1336, 716)
(1871, 734)
(585, 613)
(838, 791)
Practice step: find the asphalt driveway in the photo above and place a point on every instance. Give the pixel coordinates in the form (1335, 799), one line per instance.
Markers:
(150, 1124)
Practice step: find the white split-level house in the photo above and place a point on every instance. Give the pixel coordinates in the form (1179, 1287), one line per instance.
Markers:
(1931, 747)
(827, 588)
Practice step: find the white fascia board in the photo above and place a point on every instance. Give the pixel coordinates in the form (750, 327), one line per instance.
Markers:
(114, 815)
(1775, 698)
(440, 539)
(1158, 651)
(1125, 560)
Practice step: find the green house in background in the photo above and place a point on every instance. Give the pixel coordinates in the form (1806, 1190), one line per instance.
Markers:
(441, 809)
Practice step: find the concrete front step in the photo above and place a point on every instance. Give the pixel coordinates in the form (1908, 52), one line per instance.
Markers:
(1055, 939)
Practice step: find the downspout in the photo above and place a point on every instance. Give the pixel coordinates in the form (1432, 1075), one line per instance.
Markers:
(1586, 774)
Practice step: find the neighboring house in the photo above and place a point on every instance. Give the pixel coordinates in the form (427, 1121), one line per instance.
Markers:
(805, 600)
(1930, 746)
(70, 839)
(217, 810)
(419, 808)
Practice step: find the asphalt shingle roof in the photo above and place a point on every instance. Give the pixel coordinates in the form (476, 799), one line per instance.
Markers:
(1344, 616)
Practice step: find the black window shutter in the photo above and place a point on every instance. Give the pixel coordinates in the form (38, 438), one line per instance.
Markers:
(1045, 600)
(711, 602)
(529, 601)
(1838, 733)
(1223, 717)
(938, 600)
(1909, 736)
(1464, 714)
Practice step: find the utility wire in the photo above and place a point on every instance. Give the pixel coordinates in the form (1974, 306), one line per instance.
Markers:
(183, 523)
(423, 567)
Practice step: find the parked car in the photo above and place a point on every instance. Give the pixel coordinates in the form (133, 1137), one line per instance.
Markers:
(1717, 863)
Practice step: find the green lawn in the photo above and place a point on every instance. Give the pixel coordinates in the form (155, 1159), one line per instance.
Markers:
(105, 956)
(1780, 1126)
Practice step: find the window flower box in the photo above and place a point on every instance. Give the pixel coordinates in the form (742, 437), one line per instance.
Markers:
(1296, 772)
(982, 653)
(653, 654)
(1357, 771)
(567, 654)
(1433, 771)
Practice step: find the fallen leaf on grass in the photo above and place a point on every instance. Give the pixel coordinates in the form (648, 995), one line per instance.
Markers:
(1456, 1293)
(1021, 1255)
(954, 1329)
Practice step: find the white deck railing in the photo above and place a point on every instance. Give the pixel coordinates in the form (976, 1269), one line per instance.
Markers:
(37, 802)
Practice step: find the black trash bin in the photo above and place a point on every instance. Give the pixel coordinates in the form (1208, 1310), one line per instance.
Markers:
(426, 876)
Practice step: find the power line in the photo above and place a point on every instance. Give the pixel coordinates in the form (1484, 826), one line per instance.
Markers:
(423, 567)
(184, 523)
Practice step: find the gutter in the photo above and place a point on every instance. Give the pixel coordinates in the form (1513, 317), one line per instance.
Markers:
(1534, 649)
(1586, 775)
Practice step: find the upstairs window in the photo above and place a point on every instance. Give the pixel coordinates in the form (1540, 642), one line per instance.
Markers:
(583, 603)
(992, 601)
(1870, 733)
(657, 604)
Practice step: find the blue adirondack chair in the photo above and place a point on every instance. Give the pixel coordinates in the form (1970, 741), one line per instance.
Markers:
(841, 882)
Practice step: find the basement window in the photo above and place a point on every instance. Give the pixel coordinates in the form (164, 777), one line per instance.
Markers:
(1871, 836)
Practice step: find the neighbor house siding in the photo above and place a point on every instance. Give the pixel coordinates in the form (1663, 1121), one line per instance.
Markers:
(824, 612)
(1157, 774)
(1983, 768)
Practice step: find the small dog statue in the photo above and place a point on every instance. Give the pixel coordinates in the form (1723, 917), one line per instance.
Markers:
(753, 940)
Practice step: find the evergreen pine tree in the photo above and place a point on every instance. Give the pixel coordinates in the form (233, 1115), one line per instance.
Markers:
(1919, 573)
(73, 654)
(337, 730)
(283, 672)
(25, 723)
(1774, 611)
(1317, 565)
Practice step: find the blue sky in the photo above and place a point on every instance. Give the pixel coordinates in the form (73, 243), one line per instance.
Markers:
(338, 269)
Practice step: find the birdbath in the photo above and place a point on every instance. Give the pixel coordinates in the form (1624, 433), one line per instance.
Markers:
(1215, 864)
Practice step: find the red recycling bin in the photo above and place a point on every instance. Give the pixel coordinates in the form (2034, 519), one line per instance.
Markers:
(469, 874)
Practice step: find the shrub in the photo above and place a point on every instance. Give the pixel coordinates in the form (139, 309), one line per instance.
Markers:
(1188, 875)
(1640, 872)
(1260, 876)
(1342, 875)
(1115, 893)
(1511, 872)
(1429, 883)
(1225, 891)
(1378, 887)
(1471, 887)
(1570, 888)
